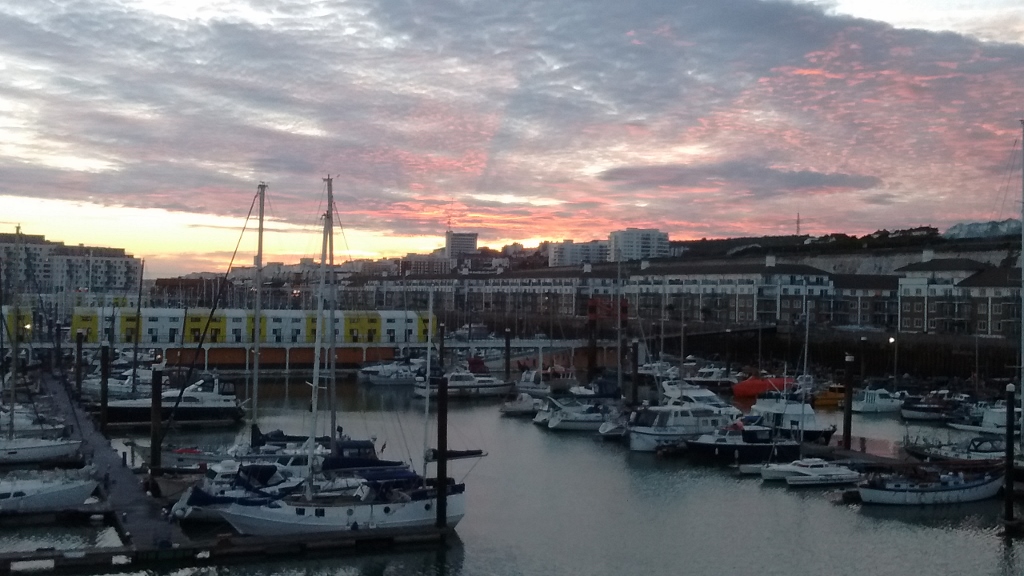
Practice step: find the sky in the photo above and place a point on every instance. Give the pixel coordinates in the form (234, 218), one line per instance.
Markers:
(147, 125)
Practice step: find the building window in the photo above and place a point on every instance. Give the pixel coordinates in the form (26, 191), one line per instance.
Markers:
(997, 309)
(918, 307)
(906, 322)
(982, 325)
(906, 306)
(931, 307)
(917, 322)
(863, 305)
(982, 308)
(931, 324)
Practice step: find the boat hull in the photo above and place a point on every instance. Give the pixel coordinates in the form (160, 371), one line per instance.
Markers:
(266, 521)
(27, 451)
(133, 414)
(52, 497)
(913, 495)
(722, 453)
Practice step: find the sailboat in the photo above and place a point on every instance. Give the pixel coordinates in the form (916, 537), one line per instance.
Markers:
(394, 501)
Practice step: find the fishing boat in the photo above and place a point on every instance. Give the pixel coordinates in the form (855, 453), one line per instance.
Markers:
(929, 487)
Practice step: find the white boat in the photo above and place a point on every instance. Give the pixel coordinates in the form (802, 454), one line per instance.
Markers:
(367, 510)
(54, 494)
(35, 450)
(810, 472)
(992, 422)
(876, 401)
(586, 419)
(463, 384)
(676, 392)
(653, 427)
(543, 383)
(402, 376)
(523, 405)
(939, 488)
(798, 421)
(713, 377)
(31, 426)
(978, 449)
(200, 401)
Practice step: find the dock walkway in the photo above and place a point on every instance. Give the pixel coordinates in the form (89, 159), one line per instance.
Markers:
(138, 518)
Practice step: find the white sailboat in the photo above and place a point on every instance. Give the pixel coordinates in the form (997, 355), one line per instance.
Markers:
(53, 493)
(400, 502)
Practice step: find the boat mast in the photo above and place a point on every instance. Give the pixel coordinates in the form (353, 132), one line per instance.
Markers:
(332, 362)
(318, 342)
(617, 310)
(426, 377)
(261, 192)
(1021, 380)
(138, 328)
(13, 380)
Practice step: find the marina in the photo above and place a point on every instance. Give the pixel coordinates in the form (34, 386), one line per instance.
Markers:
(146, 538)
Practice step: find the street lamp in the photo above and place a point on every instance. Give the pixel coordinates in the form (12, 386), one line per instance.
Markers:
(895, 357)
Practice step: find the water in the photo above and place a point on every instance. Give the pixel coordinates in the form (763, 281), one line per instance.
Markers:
(567, 503)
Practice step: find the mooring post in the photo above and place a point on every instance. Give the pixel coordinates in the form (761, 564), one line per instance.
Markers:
(156, 419)
(1011, 424)
(442, 454)
(79, 340)
(508, 355)
(104, 377)
(635, 392)
(848, 404)
(440, 347)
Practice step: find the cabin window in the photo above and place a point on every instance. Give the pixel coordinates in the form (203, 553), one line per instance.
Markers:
(17, 494)
(318, 512)
(300, 511)
(5, 495)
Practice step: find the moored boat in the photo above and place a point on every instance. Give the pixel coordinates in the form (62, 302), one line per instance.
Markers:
(742, 444)
(929, 487)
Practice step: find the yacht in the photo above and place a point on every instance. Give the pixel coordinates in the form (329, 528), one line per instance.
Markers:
(676, 392)
(810, 472)
(934, 407)
(876, 401)
(578, 417)
(978, 449)
(797, 421)
(464, 384)
(654, 427)
(37, 450)
(743, 444)
(204, 400)
(713, 377)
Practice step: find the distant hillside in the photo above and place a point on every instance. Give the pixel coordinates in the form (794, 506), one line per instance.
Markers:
(1008, 227)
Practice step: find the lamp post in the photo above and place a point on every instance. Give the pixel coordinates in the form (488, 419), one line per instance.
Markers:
(895, 357)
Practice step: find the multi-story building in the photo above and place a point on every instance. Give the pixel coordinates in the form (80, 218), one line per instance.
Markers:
(929, 298)
(569, 253)
(459, 243)
(637, 244)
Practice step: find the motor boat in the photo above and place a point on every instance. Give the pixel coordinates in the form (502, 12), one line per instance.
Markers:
(653, 427)
(810, 472)
(877, 401)
(742, 444)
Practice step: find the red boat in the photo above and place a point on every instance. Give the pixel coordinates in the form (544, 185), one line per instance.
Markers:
(755, 385)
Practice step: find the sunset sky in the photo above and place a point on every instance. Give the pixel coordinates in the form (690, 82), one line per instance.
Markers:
(147, 124)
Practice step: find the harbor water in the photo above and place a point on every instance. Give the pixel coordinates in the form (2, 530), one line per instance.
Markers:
(544, 502)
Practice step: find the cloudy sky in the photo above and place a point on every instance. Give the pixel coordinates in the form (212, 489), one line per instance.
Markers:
(148, 124)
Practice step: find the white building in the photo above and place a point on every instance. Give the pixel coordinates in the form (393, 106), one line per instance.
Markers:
(568, 253)
(459, 243)
(637, 244)
(40, 266)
